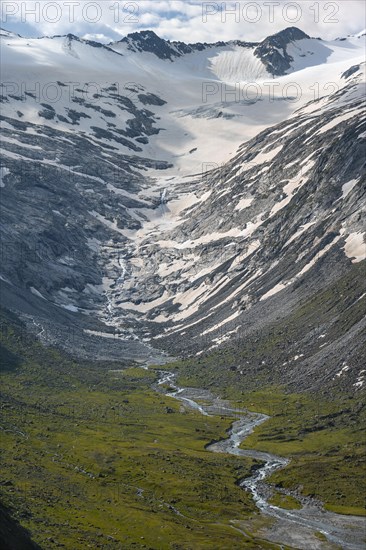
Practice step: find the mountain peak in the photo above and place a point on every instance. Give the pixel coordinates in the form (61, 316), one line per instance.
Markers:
(145, 33)
(273, 50)
(148, 41)
(290, 34)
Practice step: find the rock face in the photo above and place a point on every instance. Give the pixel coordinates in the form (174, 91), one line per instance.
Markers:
(148, 41)
(110, 246)
(273, 50)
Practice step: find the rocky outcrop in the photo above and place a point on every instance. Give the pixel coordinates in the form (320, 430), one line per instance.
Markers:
(273, 50)
(13, 535)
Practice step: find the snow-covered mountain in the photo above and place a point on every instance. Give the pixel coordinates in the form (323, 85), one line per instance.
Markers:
(178, 193)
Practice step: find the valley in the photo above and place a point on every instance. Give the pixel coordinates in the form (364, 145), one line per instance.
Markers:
(93, 453)
(183, 293)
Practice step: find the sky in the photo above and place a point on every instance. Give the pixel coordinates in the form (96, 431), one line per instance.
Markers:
(189, 20)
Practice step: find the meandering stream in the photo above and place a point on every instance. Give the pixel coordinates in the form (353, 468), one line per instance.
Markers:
(291, 527)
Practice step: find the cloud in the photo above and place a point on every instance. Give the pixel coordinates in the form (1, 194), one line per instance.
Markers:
(190, 21)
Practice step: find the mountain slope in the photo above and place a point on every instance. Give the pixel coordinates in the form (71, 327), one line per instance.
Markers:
(279, 224)
(120, 217)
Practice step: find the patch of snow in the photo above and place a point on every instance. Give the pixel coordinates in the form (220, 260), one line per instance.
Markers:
(244, 203)
(338, 120)
(355, 247)
(36, 293)
(238, 259)
(316, 258)
(70, 307)
(360, 298)
(293, 185)
(360, 380)
(261, 158)
(225, 337)
(2, 278)
(347, 187)
(274, 290)
(224, 322)
(298, 233)
(210, 237)
(112, 335)
(146, 306)
(239, 289)
(343, 370)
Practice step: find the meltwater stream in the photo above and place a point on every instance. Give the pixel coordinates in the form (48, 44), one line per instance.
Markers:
(345, 532)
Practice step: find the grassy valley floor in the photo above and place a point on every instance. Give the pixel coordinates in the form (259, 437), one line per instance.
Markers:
(93, 457)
